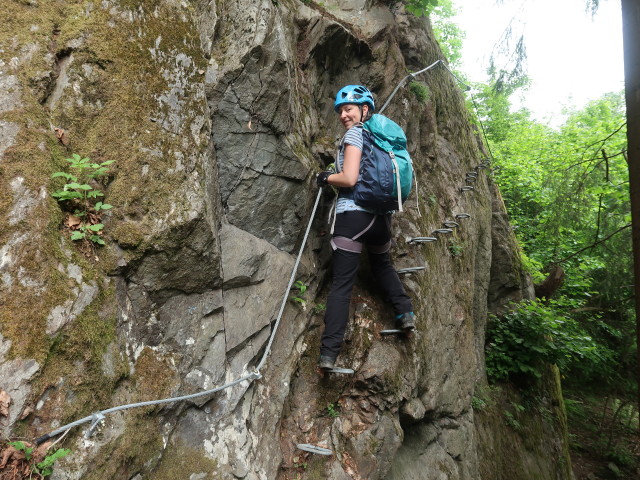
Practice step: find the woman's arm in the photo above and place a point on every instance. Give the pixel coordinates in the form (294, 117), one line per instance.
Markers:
(350, 168)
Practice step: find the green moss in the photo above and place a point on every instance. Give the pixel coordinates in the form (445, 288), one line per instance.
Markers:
(420, 90)
(180, 461)
(127, 234)
(136, 450)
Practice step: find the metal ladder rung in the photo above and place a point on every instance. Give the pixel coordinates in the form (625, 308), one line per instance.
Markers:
(307, 447)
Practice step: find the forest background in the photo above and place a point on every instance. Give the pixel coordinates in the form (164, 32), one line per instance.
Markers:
(566, 188)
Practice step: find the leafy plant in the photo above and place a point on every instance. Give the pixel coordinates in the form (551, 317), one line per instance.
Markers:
(333, 410)
(478, 403)
(420, 90)
(81, 195)
(21, 446)
(420, 8)
(298, 296)
(43, 468)
(455, 249)
(319, 308)
(522, 341)
(512, 422)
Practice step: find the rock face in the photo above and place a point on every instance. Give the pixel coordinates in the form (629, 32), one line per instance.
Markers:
(217, 115)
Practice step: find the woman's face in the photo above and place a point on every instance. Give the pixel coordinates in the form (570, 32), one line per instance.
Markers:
(350, 114)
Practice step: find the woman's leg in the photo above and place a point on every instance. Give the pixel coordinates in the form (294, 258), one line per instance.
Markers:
(387, 277)
(378, 242)
(345, 269)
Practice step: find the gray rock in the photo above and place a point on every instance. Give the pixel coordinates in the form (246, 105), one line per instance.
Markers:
(14, 377)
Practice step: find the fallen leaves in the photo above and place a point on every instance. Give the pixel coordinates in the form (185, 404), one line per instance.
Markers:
(18, 460)
(62, 136)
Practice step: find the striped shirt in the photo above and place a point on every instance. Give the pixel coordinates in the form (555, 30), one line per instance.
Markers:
(345, 195)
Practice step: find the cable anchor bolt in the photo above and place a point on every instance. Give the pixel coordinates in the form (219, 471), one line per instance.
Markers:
(96, 418)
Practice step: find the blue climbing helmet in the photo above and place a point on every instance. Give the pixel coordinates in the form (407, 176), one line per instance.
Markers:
(358, 94)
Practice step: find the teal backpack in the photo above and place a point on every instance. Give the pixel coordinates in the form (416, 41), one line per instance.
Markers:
(386, 169)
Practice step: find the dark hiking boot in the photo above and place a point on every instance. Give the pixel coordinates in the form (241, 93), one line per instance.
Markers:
(326, 362)
(406, 321)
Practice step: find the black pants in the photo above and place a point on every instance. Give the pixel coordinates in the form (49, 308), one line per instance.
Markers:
(345, 269)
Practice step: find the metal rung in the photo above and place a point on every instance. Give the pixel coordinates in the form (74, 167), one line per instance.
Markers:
(422, 239)
(466, 188)
(392, 331)
(443, 230)
(410, 270)
(472, 174)
(482, 165)
(450, 224)
(471, 179)
(307, 447)
(346, 371)
(463, 215)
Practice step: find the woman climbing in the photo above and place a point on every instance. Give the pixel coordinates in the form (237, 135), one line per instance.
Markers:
(356, 226)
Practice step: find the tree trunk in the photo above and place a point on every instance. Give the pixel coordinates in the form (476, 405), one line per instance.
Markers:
(631, 37)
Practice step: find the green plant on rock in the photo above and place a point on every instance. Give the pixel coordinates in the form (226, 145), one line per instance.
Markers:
(455, 249)
(319, 308)
(420, 90)
(333, 410)
(478, 403)
(298, 297)
(39, 469)
(80, 196)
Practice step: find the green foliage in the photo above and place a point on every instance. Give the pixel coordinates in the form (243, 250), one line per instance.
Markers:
(319, 308)
(566, 191)
(523, 341)
(22, 447)
(448, 33)
(478, 403)
(45, 467)
(420, 90)
(298, 297)
(81, 195)
(420, 8)
(512, 421)
(455, 248)
(333, 410)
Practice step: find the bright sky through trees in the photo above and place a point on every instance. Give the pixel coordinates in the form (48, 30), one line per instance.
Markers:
(572, 57)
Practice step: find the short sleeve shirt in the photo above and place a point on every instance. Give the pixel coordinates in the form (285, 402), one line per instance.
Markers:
(345, 196)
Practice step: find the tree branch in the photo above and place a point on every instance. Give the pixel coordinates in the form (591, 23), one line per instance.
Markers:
(593, 244)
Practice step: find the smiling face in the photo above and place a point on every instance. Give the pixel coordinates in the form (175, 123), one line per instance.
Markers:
(350, 114)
